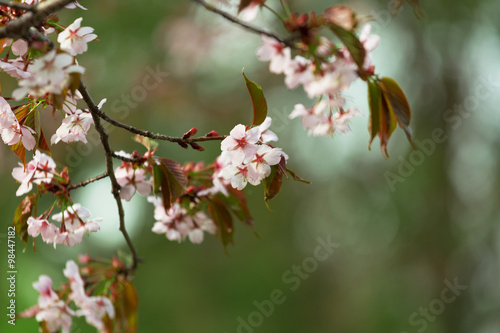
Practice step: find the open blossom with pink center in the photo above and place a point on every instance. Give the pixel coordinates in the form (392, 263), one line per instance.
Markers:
(336, 77)
(47, 294)
(298, 72)
(73, 128)
(241, 143)
(219, 183)
(132, 180)
(74, 225)
(274, 51)
(264, 158)
(38, 171)
(177, 224)
(43, 227)
(11, 130)
(74, 38)
(94, 309)
(54, 312)
(75, 282)
(240, 176)
(50, 75)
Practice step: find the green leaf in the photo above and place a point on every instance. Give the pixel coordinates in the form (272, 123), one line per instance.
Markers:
(150, 144)
(388, 123)
(272, 183)
(258, 101)
(25, 209)
(222, 218)
(398, 104)
(351, 42)
(173, 181)
(375, 103)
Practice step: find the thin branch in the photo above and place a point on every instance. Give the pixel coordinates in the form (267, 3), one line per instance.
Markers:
(88, 181)
(157, 136)
(115, 187)
(17, 6)
(20, 28)
(243, 24)
(128, 159)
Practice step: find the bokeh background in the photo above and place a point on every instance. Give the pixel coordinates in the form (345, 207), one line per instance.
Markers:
(399, 241)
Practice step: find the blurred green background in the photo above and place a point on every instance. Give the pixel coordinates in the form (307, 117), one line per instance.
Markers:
(400, 240)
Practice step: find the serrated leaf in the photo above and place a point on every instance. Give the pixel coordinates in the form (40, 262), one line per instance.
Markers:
(272, 183)
(25, 209)
(296, 177)
(173, 181)
(375, 104)
(258, 101)
(351, 42)
(221, 216)
(397, 103)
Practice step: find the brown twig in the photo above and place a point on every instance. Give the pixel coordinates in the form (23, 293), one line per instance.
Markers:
(157, 136)
(243, 24)
(88, 181)
(17, 6)
(22, 27)
(115, 187)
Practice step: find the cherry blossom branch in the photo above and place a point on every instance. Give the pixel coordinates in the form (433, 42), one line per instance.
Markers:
(20, 28)
(88, 181)
(243, 24)
(115, 187)
(17, 6)
(157, 136)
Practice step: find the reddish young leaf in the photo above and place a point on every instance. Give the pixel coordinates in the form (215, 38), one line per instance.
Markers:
(125, 307)
(258, 101)
(238, 205)
(388, 123)
(296, 177)
(20, 151)
(25, 209)
(150, 144)
(173, 180)
(397, 104)
(272, 184)
(222, 218)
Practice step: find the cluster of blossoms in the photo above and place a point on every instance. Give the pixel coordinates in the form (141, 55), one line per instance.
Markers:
(177, 223)
(55, 312)
(132, 177)
(75, 224)
(41, 171)
(325, 77)
(247, 156)
(44, 78)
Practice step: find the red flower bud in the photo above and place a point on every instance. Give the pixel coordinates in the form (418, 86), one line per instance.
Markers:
(190, 133)
(211, 134)
(196, 146)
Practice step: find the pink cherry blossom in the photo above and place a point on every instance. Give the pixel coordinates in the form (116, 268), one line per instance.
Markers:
(74, 38)
(19, 47)
(264, 158)
(74, 128)
(47, 294)
(39, 170)
(240, 176)
(12, 131)
(336, 77)
(94, 309)
(57, 317)
(15, 68)
(299, 71)
(241, 143)
(274, 51)
(43, 227)
(132, 180)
